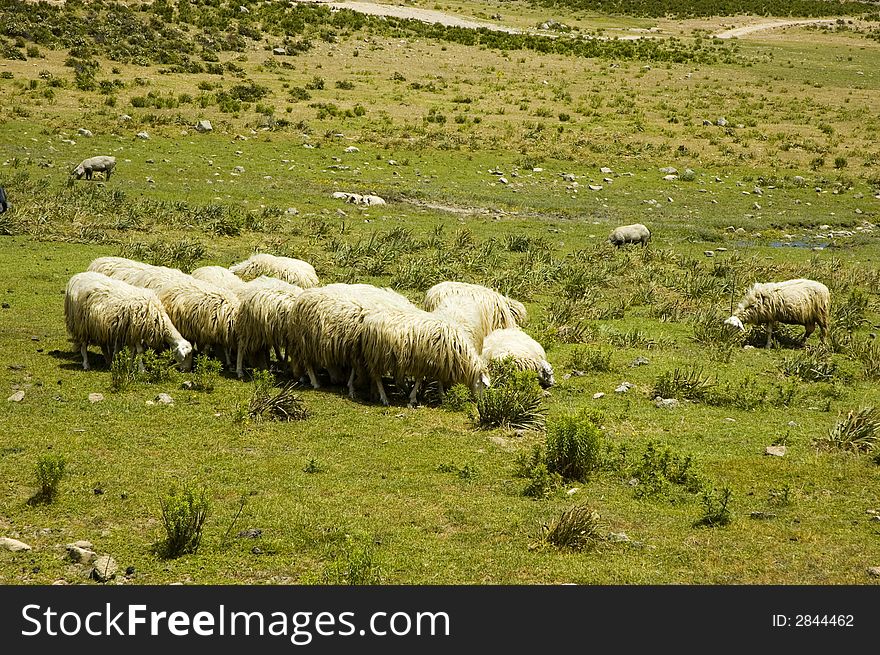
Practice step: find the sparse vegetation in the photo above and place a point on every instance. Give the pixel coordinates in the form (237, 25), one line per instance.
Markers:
(184, 511)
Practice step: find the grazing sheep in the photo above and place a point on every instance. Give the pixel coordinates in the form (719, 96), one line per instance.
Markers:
(636, 233)
(795, 302)
(526, 353)
(457, 300)
(203, 312)
(294, 271)
(118, 268)
(220, 276)
(418, 344)
(114, 314)
(325, 328)
(102, 163)
(263, 319)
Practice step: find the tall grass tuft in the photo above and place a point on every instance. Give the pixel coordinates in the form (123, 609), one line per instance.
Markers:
(574, 445)
(354, 565)
(206, 373)
(587, 359)
(49, 473)
(123, 370)
(857, 432)
(183, 516)
(577, 528)
(716, 508)
(689, 383)
(268, 404)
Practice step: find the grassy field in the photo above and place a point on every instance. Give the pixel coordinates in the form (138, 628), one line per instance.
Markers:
(357, 492)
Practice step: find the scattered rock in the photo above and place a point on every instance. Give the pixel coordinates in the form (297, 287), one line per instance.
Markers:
(874, 571)
(624, 387)
(105, 568)
(670, 177)
(84, 132)
(720, 249)
(279, 51)
(666, 403)
(722, 122)
(204, 126)
(619, 537)
(96, 397)
(568, 177)
(80, 555)
(143, 135)
(709, 253)
(124, 118)
(640, 361)
(291, 211)
(352, 149)
(605, 170)
(798, 180)
(503, 180)
(251, 533)
(188, 385)
(748, 347)
(238, 169)
(60, 582)
(598, 394)
(775, 451)
(243, 10)
(13, 545)
(573, 491)
(762, 515)
(17, 397)
(669, 170)
(595, 187)
(164, 399)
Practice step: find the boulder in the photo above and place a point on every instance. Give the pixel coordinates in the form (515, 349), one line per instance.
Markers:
(204, 126)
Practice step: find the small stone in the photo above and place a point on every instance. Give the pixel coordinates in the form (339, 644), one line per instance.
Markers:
(279, 51)
(80, 555)
(60, 582)
(762, 515)
(595, 187)
(503, 180)
(598, 394)
(164, 399)
(874, 571)
(13, 545)
(605, 170)
(537, 169)
(96, 397)
(84, 132)
(775, 451)
(291, 211)
(624, 387)
(256, 550)
(251, 533)
(721, 249)
(143, 135)
(204, 126)
(351, 149)
(125, 117)
(730, 419)
(568, 177)
(709, 253)
(188, 384)
(669, 170)
(666, 403)
(105, 568)
(82, 543)
(640, 361)
(748, 347)
(721, 122)
(619, 537)
(17, 397)
(573, 491)
(238, 169)
(792, 424)
(670, 177)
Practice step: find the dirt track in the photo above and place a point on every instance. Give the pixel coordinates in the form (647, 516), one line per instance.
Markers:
(769, 25)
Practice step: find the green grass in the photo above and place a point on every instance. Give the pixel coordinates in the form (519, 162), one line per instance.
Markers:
(361, 493)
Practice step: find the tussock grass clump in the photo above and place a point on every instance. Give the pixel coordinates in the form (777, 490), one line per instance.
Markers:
(533, 466)
(49, 473)
(867, 353)
(183, 516)
(850, 315)
(589, 359)
(574, 445)
(716, 508)
(354, 564)
(270, 405)
(857, 432)
(182, 254)
(578, 528)
(689, 383)
(514, 400)
(206, 373)
(811, 365)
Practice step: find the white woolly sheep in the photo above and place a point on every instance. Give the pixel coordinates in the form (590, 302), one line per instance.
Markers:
(420, 345)
(203, 312)
(795, 302)
(263, 319)
(294, 271)
(118, 268)
(101, 164)
(113, 314)
(457, 300)
(635, 233)
(220, 276)
(526, 353)
(326, 323)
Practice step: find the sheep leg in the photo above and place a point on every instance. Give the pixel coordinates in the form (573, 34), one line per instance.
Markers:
(139, 353)
(809, 328)
(278, 355)
(769, 333)
(351, 376)
(381, 388)
(84, 351)
(239, 362)
(441, 390)
(312, 377)
(228, 352)
(414, 394)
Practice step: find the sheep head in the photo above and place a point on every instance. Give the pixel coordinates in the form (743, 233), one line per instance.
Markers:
(545, 375)
(183, 355)
(734, 321)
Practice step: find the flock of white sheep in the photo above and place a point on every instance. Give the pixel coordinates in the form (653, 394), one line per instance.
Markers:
(356, 334)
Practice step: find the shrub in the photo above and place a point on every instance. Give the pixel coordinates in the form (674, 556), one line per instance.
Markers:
(271, 405)
(856, 433)
(123, 370)
(660, 467)
(183, 516)
(49, 472)
(577, 528)
(812, 365)
(514, 400)
(457, 399)
(584, 358)
(206, 373)
(158, 367)
(574, 445)
(716, 508)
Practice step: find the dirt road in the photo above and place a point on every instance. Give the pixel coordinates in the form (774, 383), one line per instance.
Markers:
(770, 25)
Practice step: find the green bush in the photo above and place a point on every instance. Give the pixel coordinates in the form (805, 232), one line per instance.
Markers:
(50, 471)
(585, 358)
(574, 445)
(354, 565)
(514, 400)
(458, 398)
(716, 508)
(183, 516)
(206, 373)
(123, 370)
